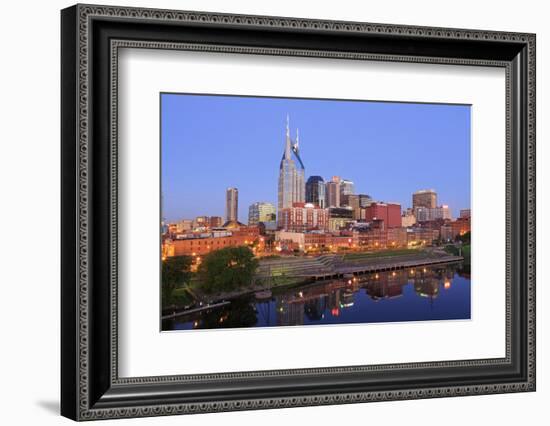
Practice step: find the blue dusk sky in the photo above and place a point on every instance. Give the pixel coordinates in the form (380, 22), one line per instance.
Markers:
(389, 150)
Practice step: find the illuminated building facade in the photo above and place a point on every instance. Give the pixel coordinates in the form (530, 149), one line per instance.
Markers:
(195, 244)
(302, 217)
(422, 236)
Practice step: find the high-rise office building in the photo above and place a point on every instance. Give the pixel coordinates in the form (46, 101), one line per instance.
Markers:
(333, 192)
(291, 188)
(425, 198)
(261, 212)
(347, 187)
(231, 204)
(315, 191)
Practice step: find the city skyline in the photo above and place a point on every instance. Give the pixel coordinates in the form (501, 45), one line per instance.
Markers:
(202, 159)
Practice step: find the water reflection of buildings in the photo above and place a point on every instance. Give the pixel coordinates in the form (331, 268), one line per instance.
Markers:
(326, 302)
(385, 285)
(289, 313)
(318, 301)
(426, 282)
(312, 301)
(315, 309)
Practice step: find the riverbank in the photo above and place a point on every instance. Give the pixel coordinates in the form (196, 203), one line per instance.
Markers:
(281, 273)
(426, 293)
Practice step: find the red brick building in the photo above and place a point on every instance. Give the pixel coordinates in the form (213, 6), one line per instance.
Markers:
(201, 244)
(390, 213)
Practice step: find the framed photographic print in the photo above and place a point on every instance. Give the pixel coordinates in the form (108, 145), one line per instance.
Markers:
(263, 212)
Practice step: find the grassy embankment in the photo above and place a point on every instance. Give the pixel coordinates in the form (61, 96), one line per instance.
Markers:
(194, 291)
(182, 296)
(380, 254)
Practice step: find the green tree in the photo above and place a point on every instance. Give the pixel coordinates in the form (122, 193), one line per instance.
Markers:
(175, 273)
(227, 269)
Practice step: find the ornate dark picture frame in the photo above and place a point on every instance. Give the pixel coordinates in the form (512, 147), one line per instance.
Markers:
(90, 385)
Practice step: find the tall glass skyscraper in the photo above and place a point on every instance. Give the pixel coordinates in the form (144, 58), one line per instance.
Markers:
(291, 174)
(315, 191)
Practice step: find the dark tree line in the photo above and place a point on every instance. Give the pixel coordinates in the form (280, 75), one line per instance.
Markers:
(176, 272)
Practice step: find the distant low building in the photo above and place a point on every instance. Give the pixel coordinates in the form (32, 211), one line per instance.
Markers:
(261, 212)
(358, 203)
(339, 217)
(465, 213)
(408, 219)
(447, 232)
(377, 236)
(421, 236)
(425, 214)
(267, 228)
(315, 241)
(215, 221)
(184, 225)
(207, 222)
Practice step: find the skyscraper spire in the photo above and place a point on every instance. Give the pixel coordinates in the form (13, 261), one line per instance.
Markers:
(296, 145)
(291, 185)
(287, 125)
(288, 142)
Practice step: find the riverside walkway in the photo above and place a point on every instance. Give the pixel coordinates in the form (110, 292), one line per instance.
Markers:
(381, 266)
(195, 310)
(336, 266)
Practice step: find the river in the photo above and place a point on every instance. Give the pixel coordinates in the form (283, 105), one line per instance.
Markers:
(419, 294)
